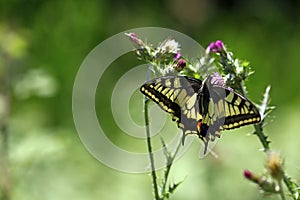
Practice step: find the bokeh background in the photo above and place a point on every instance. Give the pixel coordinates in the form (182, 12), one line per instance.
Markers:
(42, 45)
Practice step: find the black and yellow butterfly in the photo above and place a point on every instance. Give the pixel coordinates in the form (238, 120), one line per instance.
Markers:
(202, 108)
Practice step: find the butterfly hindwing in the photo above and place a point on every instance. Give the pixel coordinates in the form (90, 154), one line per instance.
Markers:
(229, 107)
(240, 111)
(224, 109)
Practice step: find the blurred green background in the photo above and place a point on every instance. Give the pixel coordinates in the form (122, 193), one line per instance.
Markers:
(42, 45)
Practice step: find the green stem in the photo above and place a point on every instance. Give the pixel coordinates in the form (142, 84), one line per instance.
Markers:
(258, 127)
(261, 136)
(164, 186)
(287, 182)
(170, 160)
(151, 158)
(265, 144)
(281, 192)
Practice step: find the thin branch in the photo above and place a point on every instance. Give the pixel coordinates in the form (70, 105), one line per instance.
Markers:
(151, 158)
(170, 160)
(281, 191)
(265, 143)
(149, 145)
(261, 136)
(291, 189)
(258, 127)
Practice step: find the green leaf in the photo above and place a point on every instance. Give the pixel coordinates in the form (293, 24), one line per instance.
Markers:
(173, 187)
(293, 187)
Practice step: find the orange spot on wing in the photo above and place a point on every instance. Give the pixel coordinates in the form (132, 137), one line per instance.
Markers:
(199, 124)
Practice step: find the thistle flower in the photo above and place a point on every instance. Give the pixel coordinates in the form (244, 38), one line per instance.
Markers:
(217, 79)
(169, 46)
(181, 64)
(219, 44)
(275, 165)
(217, 47)
(177, 56)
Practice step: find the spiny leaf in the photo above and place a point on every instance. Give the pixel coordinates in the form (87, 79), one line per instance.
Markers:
(171, 189)
(265, 109)
(174, 186)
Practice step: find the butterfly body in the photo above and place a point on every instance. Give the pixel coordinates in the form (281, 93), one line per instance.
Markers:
(201, 107)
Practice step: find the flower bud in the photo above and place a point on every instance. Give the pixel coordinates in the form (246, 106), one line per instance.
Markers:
(275, 165)
(251, 176)
(217, 47)
(137, 42)
(177, 56)
(264, 183)
(181, 64)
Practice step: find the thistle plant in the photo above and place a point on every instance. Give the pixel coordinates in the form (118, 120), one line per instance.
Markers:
(164, 59)
(227, 71)
(235, 72)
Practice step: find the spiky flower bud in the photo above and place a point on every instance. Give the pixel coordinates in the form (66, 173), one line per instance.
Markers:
(274, 164)
(216, 47)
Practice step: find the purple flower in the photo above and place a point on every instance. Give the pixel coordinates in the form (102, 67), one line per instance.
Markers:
(181, 64)
(217, 79)
(251, 176)
(248, 174)
(219, 44)
(177, 56)
(217, 47)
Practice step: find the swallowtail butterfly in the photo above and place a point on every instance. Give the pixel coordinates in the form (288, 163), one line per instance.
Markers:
(201, 107)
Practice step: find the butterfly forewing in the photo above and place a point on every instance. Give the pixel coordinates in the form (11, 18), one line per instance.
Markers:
(176, 95)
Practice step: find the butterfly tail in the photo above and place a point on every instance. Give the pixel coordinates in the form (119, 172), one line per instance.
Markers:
(182, 139)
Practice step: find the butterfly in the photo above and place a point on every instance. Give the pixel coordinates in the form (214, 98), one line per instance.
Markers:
(200, 107)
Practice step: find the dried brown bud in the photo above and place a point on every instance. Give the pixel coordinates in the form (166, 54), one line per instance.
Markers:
(275, 165)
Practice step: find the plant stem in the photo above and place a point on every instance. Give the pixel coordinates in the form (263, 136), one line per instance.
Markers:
(261, 136)
(170, 160)
(163, 189)
(265, 144)
(288, 183)
(258, 127)
(281, 192)
(151, 158)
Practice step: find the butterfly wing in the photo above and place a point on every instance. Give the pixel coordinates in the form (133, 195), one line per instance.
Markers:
(224, 109)
(176, 95)
(201, 108)
(234, 109)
